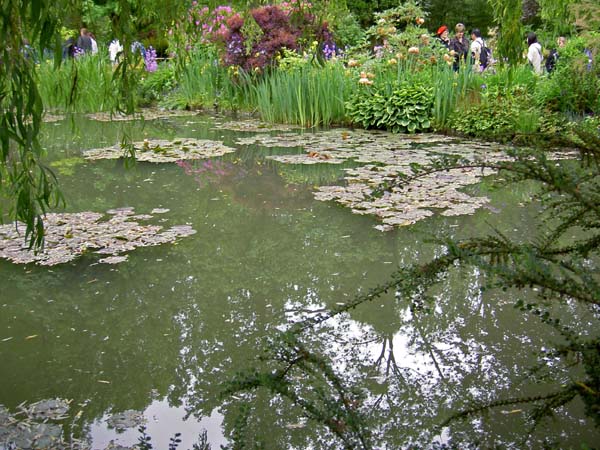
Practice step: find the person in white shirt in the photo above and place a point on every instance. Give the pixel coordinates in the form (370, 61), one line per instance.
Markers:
(534, 53)
(94, 44)
(477, 45)
(114, 49)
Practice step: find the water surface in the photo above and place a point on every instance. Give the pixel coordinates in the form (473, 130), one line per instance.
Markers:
(162, 331)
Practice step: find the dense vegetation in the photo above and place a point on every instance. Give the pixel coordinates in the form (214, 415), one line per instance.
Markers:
(370, 64)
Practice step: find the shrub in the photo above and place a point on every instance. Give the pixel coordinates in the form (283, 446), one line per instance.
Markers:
(574, 84)
(399, 107)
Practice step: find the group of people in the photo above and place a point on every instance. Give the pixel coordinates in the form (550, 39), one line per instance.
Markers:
(476, 48)
(463, 48)
(85, 43)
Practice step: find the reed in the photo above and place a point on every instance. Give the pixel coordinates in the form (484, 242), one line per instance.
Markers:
(205, 83)
(308, 95)
(84, 84)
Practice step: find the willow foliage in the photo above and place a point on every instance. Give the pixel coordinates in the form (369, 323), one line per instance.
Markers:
(29, 185)
(28, 28)
(507, 15)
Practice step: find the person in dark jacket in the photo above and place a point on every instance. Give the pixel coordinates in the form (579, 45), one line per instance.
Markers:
(84, 42)
(552, 58)
(459, 44)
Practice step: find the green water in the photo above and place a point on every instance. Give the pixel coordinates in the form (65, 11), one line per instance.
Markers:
(162, 331)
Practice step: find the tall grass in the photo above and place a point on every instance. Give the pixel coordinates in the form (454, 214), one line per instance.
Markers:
(307, 95)
(450, 89)
(204, 83)
(84, 84)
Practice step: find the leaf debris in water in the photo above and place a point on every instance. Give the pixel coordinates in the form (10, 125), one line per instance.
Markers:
(70, 235)
(163, 151)
(382, 156)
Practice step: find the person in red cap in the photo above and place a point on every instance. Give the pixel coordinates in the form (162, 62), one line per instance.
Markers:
(442, 34)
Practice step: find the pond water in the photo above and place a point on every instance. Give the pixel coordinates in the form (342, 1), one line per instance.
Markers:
(161, 332)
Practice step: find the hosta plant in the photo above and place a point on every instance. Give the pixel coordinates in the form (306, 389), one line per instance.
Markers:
(398, 107)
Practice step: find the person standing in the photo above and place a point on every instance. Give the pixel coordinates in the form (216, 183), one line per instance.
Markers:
(534, 53)
(94, 49)
(84, 42)
(443, 36)
(554, 54)
(477, 48)
(459, 45)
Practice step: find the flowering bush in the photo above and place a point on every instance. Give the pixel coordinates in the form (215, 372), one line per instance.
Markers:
(150, 60)
(201, 25)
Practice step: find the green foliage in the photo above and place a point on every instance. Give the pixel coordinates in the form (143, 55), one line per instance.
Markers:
(556, 15)
(587, 14)
(501, 115)
(84, 84)
(29, 185)
(347, 31)
(449, 88)
(507, 16)
(473, 13)
(203, 83)
(364, 10)
(396, 107)
(157, 85)
(573, 85)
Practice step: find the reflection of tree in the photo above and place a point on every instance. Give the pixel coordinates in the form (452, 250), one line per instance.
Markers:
(178, 321)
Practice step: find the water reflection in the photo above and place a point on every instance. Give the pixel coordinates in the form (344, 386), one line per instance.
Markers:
(163, 331)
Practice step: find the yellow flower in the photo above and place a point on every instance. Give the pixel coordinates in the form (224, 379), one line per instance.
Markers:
(448, 58)
(392, 61)
(370, 75)
(365, 81)
(353, 63)
(433, 59)
(413, 50)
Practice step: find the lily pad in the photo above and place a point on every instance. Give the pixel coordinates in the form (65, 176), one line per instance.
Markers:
(28, 428)
(68, 236)
(54, 409)
(126, 419)
(50, 118)
(383, 156)
(159, 150)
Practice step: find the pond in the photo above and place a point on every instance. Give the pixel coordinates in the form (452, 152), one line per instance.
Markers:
(156, 335)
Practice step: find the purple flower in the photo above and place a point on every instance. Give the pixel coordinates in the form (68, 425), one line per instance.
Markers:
(150, 60)
(329, 51)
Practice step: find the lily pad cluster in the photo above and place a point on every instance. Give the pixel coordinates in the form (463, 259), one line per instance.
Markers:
(252, 125)
(126, 419)
(69, 235)
(144, 114)
(384, 155)
(51, 118)
(163, 151)
(30, 427)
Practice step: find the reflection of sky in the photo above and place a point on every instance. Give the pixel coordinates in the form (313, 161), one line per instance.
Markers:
(162, 422)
